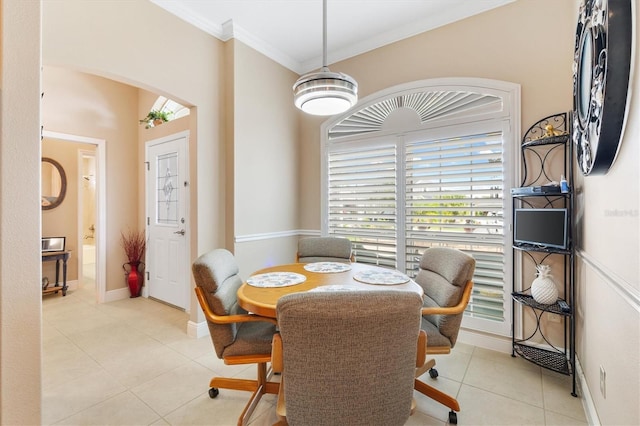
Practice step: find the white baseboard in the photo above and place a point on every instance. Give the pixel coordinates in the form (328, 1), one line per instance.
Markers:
(197, 329)
(486, 341)
(71, 285)
(585, 395)
(118, 294)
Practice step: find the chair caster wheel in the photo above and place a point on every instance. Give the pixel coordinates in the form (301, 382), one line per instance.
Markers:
(433, 373)
(213, 392)
(453, 418)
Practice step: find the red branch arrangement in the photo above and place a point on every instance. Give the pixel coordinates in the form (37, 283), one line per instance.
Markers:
(134, 245)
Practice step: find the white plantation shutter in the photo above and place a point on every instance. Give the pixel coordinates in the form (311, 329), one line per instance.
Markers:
(362, 201)
(429, 166)
(454, 198)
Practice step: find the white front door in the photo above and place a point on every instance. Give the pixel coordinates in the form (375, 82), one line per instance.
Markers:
(167, 256)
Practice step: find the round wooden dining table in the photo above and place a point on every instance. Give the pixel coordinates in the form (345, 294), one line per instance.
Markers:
(262, 300)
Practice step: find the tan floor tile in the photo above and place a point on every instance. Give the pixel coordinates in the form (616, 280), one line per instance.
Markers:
(555, 419)
(93, 352)
(122, 409)
(428, 406)
(516, 361)
(191, 347)
(452, 366)
(49, 332)
(225, 409)
(480, 407)
(174, 388)
(558, 398)
(104, 343)
(67, 320)
(420, 419)
(122, 312)
(137, 367)
(505, 377)
(166, 330)
(65, 400)
(266, 417)
(65, 362)
(219, 368)
(463, 348)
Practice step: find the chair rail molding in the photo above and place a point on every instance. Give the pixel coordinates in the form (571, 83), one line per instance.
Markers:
(279, 234)
(630, 294)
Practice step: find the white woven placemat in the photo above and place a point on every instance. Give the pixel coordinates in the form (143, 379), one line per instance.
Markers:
(276, 279)
(378, 277)
(327, 267)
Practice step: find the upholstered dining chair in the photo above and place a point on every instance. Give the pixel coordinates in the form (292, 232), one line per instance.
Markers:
(347, 357)
(324, 249)
(445, 275)
(238, 337)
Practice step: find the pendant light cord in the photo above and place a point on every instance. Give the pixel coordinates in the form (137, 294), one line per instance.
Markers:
(324, 36)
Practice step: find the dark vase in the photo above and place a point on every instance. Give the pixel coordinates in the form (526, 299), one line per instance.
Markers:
(135, 279)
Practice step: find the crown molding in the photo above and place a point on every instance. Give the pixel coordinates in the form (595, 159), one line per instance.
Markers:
(230, 30)
(446, 17)
(227, 31)
(184, 13)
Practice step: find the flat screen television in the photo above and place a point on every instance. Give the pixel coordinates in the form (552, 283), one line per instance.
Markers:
(541, 227)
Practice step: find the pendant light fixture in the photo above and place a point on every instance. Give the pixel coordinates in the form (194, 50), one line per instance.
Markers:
(325, 92)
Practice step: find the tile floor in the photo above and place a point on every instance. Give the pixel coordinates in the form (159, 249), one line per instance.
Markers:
(130, 362)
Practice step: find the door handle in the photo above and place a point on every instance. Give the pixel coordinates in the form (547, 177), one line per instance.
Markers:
(180, 232)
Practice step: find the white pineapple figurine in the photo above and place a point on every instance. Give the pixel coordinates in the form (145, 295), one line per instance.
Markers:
(543, 288)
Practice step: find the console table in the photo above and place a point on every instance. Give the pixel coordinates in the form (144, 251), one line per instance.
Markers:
(57, 256)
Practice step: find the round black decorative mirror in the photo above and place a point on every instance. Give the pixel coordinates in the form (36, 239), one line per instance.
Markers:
(602, 59)
(54, 184)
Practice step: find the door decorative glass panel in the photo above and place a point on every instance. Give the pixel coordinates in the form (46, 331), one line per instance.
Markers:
(166, 187)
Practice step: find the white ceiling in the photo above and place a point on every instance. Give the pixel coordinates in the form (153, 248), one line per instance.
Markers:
(290, 31)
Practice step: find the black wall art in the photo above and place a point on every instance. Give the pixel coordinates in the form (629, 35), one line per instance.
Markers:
(602, 59)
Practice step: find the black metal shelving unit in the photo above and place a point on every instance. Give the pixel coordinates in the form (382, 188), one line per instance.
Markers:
(542, 142)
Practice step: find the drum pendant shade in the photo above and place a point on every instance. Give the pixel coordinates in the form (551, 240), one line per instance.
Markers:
(325, 92)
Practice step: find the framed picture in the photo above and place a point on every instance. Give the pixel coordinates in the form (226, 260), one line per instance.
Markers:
(53, 244)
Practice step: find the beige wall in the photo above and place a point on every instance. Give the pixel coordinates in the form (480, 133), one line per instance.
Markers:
(113, 114)
(62, 221)
(229, 137)
(96, 37)
(265, 155)
(86, 105)
(608, 267)
(187, 67)
(265, 144)
(20, 290)
(507, 43)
